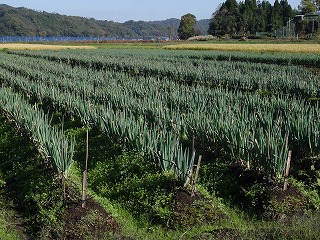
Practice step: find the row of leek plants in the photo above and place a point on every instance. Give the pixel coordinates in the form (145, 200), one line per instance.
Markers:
(100, 86)
(242, 150)
(312, 60)
(108, 91)
(117, 124)
(237, 75)
(237, 140)
(50, 141)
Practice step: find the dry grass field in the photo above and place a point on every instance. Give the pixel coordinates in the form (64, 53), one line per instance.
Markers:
(21, 46)
(285, 48)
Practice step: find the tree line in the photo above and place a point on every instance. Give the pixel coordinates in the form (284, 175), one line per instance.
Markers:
(249, 17)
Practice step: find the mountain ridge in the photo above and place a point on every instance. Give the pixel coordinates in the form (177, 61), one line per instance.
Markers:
(22, 21)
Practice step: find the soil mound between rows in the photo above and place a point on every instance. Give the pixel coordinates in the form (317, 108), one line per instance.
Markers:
(91, 222)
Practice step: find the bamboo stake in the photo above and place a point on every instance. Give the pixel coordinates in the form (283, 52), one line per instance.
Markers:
(196, 176)
(84, 189)
(286, 178)
(63, 187)
(193, 149)
(85, 174)
(87, 149)
(268, 159)
(63, 179)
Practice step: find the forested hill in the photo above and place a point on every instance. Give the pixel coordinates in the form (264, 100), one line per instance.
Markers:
(26, 22)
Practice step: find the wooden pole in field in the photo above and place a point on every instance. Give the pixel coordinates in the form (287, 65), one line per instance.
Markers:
(196, 176)
(63, 179)
(286, 177)
(84, 189)
(193, 148)
(85, 174)
(268, 159)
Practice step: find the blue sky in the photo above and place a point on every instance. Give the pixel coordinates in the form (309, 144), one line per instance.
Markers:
(123, 10)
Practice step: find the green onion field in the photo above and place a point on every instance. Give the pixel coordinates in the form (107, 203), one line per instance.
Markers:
(150, 115)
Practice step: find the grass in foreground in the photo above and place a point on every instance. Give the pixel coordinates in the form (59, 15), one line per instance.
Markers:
(25, 186)
(7, 232)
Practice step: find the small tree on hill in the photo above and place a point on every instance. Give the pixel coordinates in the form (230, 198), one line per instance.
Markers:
(187, 26)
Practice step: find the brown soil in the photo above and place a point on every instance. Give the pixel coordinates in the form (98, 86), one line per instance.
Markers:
(285, 204)
(184, 198)
(91, 222)
(281, 195)
(192, 211)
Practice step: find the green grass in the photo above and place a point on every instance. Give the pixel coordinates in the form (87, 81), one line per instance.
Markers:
(27, 183)
(8, 230)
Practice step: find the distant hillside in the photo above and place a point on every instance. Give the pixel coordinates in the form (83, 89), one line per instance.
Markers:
(154, 28)
(26, 22)
(163, 28)
(203, 26)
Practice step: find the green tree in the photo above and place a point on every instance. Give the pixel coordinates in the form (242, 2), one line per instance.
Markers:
(187, 26)
(308, 6)
(276, 17)
(226, 19)
(266, 11)
(286, 11)
(249, 16)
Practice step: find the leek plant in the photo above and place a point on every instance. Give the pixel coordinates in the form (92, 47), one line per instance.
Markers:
(50, 140)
